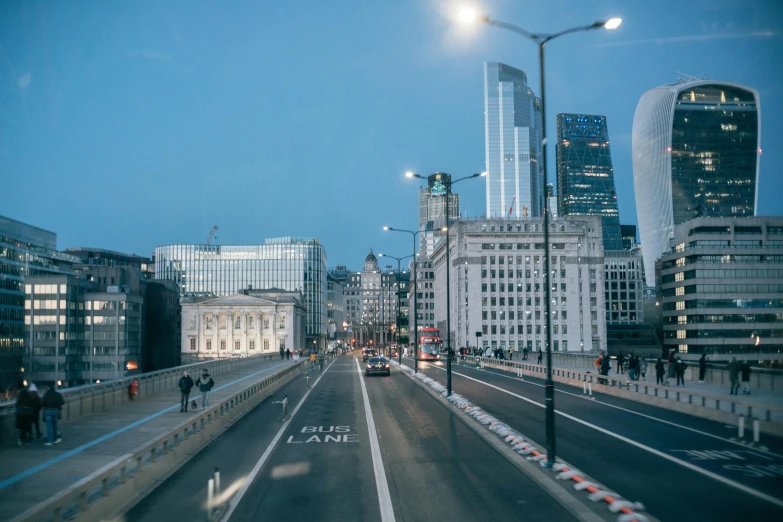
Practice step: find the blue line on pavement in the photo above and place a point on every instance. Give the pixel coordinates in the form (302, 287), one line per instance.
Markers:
(35, 469)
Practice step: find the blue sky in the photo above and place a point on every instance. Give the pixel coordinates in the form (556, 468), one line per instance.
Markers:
(126, 125)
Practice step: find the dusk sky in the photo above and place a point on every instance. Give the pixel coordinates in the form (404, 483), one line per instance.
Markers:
(127, 125)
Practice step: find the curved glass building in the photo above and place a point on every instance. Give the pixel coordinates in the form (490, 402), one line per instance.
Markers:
(287, 263)
(696, 148)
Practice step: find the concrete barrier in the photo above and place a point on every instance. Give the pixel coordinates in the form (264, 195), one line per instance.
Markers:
(82, 401)
(725, 410)
(110, 491)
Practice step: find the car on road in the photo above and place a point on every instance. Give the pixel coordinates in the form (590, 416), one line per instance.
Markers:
(369, 352)
(378, 365)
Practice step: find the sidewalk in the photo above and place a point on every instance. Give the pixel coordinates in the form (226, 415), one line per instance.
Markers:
(30, 474)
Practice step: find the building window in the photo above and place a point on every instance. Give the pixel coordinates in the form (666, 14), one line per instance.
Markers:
(250, 322)
(236, 323)
(266, 345)
(282, 323)
(222, 344)
(192, 343)
(251, 345)
(237, 345)
(266, 323)
(282, 344)
(209, 345)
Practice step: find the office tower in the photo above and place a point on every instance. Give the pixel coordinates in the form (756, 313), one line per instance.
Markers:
(585, 177)
(696, 148)
(432, 210)
(629, 236)
(512, 134)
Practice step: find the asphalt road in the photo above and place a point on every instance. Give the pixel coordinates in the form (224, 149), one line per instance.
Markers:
(324, 466)
(678, 466)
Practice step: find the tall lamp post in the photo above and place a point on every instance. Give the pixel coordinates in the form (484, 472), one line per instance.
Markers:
(397, 319)
(541, 39)
(447, 229)
(415, 303)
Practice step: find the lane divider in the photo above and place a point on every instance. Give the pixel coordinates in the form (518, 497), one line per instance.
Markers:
(628, 511)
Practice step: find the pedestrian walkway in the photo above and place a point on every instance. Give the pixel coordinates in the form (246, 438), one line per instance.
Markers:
(30, 474)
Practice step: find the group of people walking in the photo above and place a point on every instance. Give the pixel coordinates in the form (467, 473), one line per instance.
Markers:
(205, 383)
(29, 406)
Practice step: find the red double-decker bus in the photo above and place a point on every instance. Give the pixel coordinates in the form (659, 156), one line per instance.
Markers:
(429, 344)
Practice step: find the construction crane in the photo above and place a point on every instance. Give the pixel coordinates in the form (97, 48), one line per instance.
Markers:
(211, 234)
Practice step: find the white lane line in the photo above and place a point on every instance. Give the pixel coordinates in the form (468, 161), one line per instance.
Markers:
(260, 464)
(654, 451)
(694, 430)
(384, 499)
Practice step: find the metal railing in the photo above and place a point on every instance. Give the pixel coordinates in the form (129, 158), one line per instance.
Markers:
(82, 401)
(135, 473)
(643, 390)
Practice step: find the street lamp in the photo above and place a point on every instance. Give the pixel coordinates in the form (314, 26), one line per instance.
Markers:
(449, 350)
(470, 16)
(414, 301)
(397, 319)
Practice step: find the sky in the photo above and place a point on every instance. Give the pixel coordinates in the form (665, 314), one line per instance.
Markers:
(127, 125)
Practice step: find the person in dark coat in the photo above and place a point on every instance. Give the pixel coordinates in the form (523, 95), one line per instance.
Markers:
(745, 374)
(185, 385)
(670, 366)
(287, 354)
(702, 367)
(24, 417)
(606, 365)
(734, 376)
(679, 371)
(282, 353)
(205, 384)
(659, 371)
(35, 425)
(633, 367)
(52, 403)
(540, 356)
(620, 361)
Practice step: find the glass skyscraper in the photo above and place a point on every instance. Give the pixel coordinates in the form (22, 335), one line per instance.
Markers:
(512, 133)
(696, 147)
(293, 264)
(25, 251)
(585, 177)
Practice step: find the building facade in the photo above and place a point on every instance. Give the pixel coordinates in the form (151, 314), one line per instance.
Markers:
(722, 286)
(696, 148)
(291, 264)
(512, 134)
(242, 325)
(25, 251)
(335, 303)
(76, 333)
(498, 284)
(585, 176)
(629, 236)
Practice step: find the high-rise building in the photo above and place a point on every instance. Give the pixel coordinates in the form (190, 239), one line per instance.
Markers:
(292, 264)
(512, 134)
(432, 210)
(585, 177)
(629, 236)
(696, 148)
(722, 286)
(25, 251)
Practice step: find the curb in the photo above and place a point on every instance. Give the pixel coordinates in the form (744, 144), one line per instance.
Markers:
(520, 451)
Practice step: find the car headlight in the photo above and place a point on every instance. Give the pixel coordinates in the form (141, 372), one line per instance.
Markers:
(369, 366)
(387, 366)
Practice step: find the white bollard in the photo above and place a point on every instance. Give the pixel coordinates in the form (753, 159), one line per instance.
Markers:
(216, 477)
(742, 426)
(584, 388)
(285, 407)
(210, 497)
(590, 389)
(756, 434)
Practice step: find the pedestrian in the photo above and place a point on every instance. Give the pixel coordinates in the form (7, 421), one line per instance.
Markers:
(598, 361)
(620, 363)
(606, 366)
(745, 374)
(670, 367)
(287, 354)
(524, 353)
(679, 371)
(52, 404)
(659, 371)
(540, 356)
(36, 400)
(282, 353)
(510, 353)
(702, 367)
(205, 384)
(312, 359)
(633, 367)
(643, 367)
(734, 376)
(24, 417)
(185, 385)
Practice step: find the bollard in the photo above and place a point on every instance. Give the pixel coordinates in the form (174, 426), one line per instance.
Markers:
(308, 381)
(216, 478)
(210, 497)
(584, 388)
(742, 426)
(590, 389)
(285, 408)
(756, 435)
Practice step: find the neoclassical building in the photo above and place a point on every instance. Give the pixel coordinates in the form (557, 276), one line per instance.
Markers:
(250, 323)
